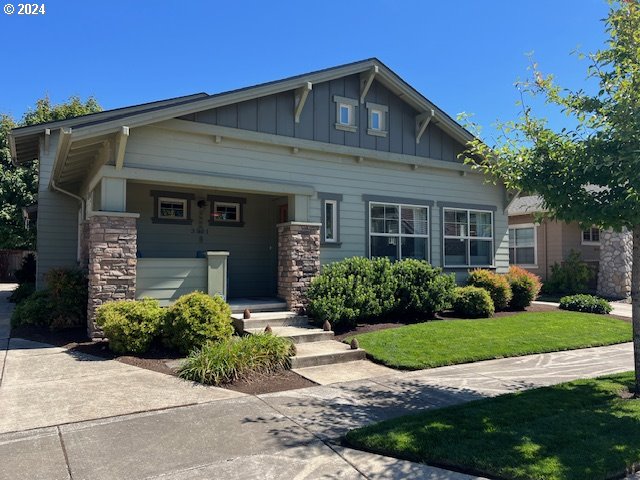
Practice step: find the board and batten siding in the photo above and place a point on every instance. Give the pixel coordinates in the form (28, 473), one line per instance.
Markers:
(252, 263)
(57, 224)
(274, 114)
(160, 149)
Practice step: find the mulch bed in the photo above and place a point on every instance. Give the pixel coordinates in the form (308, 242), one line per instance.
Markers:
(75, 340)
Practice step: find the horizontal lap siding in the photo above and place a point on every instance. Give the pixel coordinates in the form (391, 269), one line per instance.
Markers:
(57, 221)
(154, 148)
(167, 279)
(252, 247)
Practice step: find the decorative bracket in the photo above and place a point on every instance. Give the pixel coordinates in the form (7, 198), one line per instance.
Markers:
(300, 99)
(422, 122)
(121, 144)
(366, 79)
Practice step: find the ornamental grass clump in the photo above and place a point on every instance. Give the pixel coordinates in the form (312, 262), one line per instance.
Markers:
(217, 363)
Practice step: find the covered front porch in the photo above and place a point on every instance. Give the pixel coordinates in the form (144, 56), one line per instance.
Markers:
(144, 238)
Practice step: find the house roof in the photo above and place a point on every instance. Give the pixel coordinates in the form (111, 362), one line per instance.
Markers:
(25, 146)
(526, 205)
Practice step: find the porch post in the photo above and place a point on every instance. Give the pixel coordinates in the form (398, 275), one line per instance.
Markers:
(298, 261)
(111, 239)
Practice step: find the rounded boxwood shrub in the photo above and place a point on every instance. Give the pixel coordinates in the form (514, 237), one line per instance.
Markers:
(585, 303)
(24, 291)
(130, 325)
(473, 302)
(525, 287)
(195, 319)
(34, 310)
(497, 286)
(352, 290)
(422, 289)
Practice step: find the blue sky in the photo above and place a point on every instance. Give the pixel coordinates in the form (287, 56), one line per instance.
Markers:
(463, 56)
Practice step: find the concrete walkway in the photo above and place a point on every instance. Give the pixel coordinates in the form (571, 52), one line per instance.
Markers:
(620, 309)
(79, 417)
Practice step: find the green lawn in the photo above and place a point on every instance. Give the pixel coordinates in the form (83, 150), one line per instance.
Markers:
(447, 342)
(577, 430)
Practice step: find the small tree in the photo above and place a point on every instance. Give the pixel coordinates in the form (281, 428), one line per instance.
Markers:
(19, 184)
(589, 173)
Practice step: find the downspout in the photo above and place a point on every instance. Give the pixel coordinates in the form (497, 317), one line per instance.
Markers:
(82, 211)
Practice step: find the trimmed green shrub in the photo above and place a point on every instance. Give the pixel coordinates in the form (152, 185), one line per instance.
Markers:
(68, 292)
(130, 325)
(525, 287)
(473, 302)
(216, 363)
(571, 276)
(195, 319)
(34, 310)
(497, 286)
(422, 289)
(585, 303)
(352, 290)
(63, 304)
(24, 291)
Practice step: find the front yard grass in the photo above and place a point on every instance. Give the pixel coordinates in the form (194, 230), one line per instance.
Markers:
(448, 342)
(584, 429)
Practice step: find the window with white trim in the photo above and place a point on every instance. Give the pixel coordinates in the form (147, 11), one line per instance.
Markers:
(398, 231)
(330, 221)
(172, 208)
(346, 113)
(226, 212)
(468, 238)
(523, 245)
(377, 119)
(591, 236)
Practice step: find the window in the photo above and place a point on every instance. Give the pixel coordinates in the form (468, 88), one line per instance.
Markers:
(468, 237)
(591, 236)
(398, 231)
(346, 113)
(522, 245)
(226, 211)
(171, 207)
(377, 119)
(330, 220)
(330, 211)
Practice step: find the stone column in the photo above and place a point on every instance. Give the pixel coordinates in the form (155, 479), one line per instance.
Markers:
(614, 271)
(112, 246)
(298, 261)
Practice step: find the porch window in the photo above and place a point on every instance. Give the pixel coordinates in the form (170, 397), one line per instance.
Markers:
(330, 211)
(522, 245)
(226, 211)
(591, 236)
(468, 238)
(398, 231)
(172, 207)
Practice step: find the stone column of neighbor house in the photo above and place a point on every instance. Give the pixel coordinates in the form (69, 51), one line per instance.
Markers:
(298, 261)
(614, 271)
(112, 247)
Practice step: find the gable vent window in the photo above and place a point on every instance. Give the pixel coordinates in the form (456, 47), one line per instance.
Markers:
(377, 119)
(346, 113)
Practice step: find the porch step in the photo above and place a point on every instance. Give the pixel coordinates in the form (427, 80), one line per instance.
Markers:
(301, 334)
(238, 305)
(324, 353)
(260, 320)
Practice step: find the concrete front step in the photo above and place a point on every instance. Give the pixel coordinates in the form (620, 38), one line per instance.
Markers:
(262, 319)
(302, 334)
(324, 353)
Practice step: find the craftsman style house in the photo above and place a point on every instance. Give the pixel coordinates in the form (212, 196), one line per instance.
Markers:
(247, 193)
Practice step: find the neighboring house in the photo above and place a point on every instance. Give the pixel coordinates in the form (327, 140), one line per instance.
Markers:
(538, 245)
(247, 193)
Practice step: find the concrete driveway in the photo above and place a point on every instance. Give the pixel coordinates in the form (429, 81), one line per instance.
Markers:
(80, 417)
